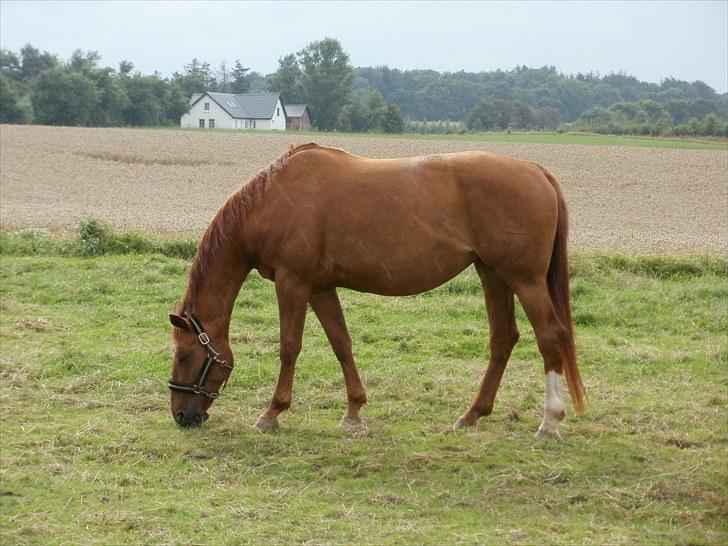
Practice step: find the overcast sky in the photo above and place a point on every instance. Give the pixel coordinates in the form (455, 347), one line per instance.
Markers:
(650, 40)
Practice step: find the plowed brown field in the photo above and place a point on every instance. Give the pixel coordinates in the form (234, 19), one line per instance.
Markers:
(634, 199)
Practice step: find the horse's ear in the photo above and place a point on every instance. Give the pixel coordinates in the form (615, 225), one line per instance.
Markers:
(180, 322)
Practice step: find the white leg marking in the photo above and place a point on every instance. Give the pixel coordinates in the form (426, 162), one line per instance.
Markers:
(554, 411)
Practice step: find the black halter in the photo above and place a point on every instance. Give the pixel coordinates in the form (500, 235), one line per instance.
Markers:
(212, 357)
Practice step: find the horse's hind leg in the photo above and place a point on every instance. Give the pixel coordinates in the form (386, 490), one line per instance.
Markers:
(552, 337)
(328, 310)
(503, 336)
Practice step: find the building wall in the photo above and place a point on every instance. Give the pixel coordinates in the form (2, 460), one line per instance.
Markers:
(223, 120)
(302, 123)
(278, 121)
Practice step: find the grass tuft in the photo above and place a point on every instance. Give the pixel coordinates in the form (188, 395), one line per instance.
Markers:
(94, 238)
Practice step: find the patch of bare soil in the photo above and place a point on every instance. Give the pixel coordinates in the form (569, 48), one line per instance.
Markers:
(632, 199)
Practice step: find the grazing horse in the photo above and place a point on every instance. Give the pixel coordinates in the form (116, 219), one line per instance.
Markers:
(319, 218)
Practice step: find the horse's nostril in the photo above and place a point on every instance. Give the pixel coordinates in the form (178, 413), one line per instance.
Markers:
(179, 417)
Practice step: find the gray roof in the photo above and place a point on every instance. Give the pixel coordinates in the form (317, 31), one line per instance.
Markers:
(295, 110)
(248, 106)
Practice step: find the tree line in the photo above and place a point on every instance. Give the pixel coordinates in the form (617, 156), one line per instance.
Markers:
(38, 87)
(544, 99)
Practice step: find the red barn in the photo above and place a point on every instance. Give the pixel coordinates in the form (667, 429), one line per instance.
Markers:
(297, 117)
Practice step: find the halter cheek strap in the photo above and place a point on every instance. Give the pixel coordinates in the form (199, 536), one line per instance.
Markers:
(213, 357)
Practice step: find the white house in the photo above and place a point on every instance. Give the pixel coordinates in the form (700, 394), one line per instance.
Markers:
(228, 111)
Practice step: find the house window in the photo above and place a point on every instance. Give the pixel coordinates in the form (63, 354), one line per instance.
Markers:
(207, 107)
(202, 124)
(211, 123)
(247, 124)
(278, 112)
(253, 124)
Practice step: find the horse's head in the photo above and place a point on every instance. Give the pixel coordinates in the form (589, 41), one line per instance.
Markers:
(201, 367)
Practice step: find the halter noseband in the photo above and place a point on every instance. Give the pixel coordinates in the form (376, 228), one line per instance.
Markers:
(198, 387)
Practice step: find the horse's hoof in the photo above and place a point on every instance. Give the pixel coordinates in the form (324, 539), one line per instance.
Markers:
(461, 423)
(266, 425)
(545, 434)
(351, 423)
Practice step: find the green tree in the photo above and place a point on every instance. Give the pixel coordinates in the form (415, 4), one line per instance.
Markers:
(286, 80)
(240, 82)
(9, 64)
(547, 118)
(369, 112)
(33, 62)
(710, 125)
(84, 62)
(125, 67)
(12, 107)
(500, 115)
(113, 99)
(64, 97)
(484, 117)
(352, 117)
(326, 80)
(146, 95)
(197, 78)
(392, 121)
(595, 120)
(176, 103)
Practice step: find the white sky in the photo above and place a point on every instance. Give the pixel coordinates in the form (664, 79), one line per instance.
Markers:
(650, 40)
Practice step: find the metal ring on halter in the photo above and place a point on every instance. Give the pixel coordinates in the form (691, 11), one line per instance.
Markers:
(213, 357)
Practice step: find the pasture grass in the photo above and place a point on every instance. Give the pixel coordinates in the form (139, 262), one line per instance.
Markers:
(90, 453)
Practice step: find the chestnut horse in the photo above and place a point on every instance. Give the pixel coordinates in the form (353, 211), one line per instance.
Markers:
(320, 218)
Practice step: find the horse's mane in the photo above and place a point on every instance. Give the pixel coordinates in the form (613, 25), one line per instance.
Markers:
(229, 219)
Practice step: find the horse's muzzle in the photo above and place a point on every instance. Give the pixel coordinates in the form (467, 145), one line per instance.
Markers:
(192, 419)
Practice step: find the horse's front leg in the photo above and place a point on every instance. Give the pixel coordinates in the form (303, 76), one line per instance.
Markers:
(292, 301)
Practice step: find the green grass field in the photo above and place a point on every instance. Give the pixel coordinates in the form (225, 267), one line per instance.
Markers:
(91, 455)
(522, 138)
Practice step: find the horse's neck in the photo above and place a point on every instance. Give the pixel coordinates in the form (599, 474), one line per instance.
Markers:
(216, 286)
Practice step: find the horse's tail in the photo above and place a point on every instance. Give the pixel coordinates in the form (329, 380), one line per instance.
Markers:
(558, 283)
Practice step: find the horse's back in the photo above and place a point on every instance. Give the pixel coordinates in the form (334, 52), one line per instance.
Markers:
(379, 223)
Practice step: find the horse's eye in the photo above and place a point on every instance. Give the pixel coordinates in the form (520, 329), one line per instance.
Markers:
(182, 357)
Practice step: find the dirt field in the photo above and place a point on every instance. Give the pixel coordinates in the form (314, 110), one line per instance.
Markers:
(634, 199)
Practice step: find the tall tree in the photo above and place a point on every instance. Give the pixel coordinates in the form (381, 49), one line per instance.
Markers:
(9, 64)
(326, 80)
(223, 78)
(125, 67)
(84, 62)
(146, 96)
(64, 97)
(392, 121)
(12, 109)
(33, 62)
(197, 78)
(240, 82)
(287, 80)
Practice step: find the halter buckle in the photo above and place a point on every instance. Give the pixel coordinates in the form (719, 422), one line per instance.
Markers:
(204, 340)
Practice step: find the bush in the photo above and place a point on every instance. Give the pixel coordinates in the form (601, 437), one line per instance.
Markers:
(92, 238)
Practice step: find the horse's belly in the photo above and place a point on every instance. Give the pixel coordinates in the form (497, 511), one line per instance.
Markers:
(403, 274)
